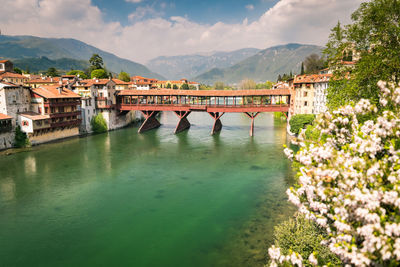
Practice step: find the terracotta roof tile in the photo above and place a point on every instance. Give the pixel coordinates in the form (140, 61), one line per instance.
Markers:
(51, 91)
(34, 116)
(3, 116)
(12, 75)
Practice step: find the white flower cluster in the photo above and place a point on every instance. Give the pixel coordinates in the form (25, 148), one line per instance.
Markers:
(350, 181)
(277, 258)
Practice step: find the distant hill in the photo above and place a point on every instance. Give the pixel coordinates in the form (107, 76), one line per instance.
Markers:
(265, 65)
(28, 47)
(43, 63)
(188, 66)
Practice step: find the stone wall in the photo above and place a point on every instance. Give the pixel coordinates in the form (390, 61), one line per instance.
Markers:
(51, 136)
(115, 121)
(7, 140)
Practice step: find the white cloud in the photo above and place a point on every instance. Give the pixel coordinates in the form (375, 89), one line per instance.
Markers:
(249, 7)
(144, 12)
(148, 35)
(133, 1)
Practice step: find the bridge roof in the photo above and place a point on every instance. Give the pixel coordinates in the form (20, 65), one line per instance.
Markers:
(218, 93)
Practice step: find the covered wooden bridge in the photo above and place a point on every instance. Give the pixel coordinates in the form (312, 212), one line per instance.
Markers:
(214, 102)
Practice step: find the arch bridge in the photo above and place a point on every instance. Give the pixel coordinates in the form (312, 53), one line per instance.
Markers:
(214, 102)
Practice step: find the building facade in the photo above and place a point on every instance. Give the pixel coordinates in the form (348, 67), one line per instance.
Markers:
(321, 87)
(54, 114)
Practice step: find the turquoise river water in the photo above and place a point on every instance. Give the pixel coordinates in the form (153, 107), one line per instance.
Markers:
(154, 199)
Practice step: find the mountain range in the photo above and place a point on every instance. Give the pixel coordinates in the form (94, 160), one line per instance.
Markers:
(265, 65)
(39, 54)
(189, 66)
(68, 53)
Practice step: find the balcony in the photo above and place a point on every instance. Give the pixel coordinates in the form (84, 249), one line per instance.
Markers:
(62, 104)
(66, 123)
(65, 114)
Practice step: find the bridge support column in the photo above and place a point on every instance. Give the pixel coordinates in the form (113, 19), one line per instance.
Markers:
(252, 116)
(150, 121)
(183, 123)
(217, 122)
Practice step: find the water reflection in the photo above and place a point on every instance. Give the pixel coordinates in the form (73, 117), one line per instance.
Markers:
(153, 199)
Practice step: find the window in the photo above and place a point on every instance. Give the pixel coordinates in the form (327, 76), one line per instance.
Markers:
(305, 94)
(305, 103)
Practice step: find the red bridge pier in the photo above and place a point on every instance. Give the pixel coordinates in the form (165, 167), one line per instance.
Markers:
(150, 121)
(252, 116)
(183, 123)
(217, 122)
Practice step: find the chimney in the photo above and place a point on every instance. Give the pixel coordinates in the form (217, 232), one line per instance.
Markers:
(60, 89)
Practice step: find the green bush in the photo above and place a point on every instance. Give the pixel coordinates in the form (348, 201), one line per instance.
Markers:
(312, 133)
(99, 124)
(99, 74)
(21, 139)
(299, 121)
(303, 236)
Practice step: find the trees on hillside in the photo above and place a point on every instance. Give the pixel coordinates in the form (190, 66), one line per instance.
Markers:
(185, 86)
(123, 76)
(372, 39)
(96, 62)
(313, 63)
(247, 84)
(99, 74)
(52, 72)
(77, 72)
(219, 86)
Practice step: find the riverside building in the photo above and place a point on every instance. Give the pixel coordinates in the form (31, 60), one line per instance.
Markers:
(54, 114)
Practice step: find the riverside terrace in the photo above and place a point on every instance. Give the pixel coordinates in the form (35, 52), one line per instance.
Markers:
(214, 102)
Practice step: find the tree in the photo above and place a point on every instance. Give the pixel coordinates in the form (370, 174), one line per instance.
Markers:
(266, 85)
(168, 86)
(175, 87)
(52, 72)
(219, 86)
(99, 124)
(247, 84)
(96, 62)
(185, 86)
(78, 72)
(99, 74)
(20, 139)
(373, 39)
(279, 78)
(17, 70)
(123, 76)
(313, 63)
(302, 69)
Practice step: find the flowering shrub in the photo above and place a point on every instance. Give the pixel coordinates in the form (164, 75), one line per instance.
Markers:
(349, 182)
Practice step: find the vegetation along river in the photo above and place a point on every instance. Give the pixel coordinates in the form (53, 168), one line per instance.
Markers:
(154, 199)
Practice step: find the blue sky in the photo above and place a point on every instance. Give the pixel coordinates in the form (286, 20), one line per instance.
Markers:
(140, 30)
(204, 11)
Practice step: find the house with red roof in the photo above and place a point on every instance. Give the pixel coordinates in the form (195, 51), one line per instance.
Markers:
(54, 114)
